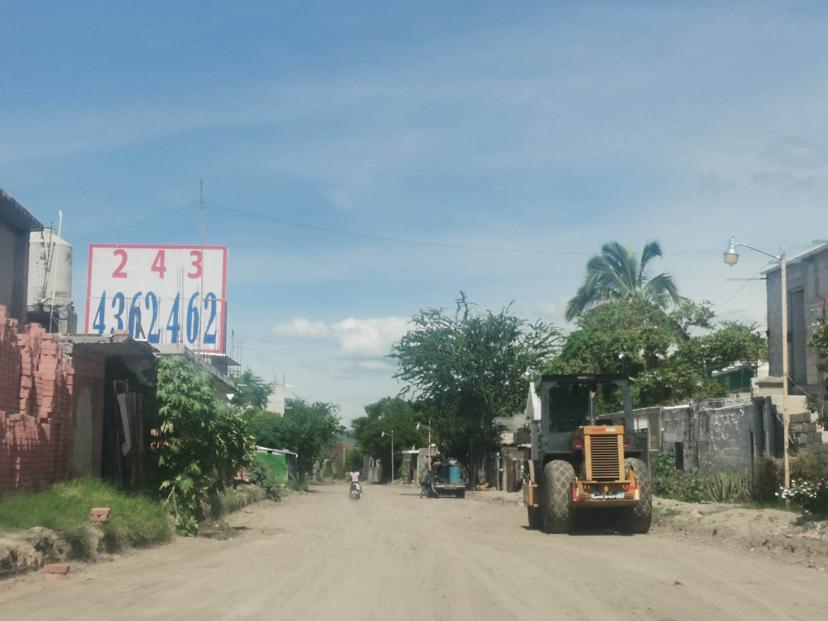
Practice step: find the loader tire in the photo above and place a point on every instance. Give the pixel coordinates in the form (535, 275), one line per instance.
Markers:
(534, 516)
(637, 519)
(556, 514)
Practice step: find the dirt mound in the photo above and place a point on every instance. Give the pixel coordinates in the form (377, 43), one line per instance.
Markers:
(782, 534)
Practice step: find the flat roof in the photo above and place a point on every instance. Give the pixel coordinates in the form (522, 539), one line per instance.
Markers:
(799, 257)
(114, 345)
(16, 215)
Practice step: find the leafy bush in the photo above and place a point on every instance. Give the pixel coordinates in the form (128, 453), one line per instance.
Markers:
(767, 479)
(200, 443)
(695, 486)
(64, 508)
(812, 496)
(260, 475)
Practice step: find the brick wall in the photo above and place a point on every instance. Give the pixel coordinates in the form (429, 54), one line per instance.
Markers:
(35, 406)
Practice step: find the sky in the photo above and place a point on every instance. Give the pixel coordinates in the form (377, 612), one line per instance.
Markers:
(365, 160)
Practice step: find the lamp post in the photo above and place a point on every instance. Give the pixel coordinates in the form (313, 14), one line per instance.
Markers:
(429, 440)
(731, 257)
(392, 452)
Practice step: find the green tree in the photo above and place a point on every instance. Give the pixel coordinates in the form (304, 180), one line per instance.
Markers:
(658, 350)
(467, 367)
(617, 274)
(308, 429)
(819, 341)
(386, 415)
(252, 392)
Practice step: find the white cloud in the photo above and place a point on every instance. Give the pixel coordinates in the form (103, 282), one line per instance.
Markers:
(369, 337)
(356, 338)
(301, 327)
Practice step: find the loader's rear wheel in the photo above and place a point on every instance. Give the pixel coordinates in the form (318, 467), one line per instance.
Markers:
(637, 519)
(556, 514)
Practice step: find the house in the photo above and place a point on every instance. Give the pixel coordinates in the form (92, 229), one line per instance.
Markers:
(807, 300)
(16, 224)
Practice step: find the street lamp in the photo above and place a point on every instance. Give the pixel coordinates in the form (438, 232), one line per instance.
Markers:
(429, 440)
(731, 257)
(392, 452)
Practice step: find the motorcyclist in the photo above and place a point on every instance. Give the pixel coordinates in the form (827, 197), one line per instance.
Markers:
(425, 484)
(354, 478)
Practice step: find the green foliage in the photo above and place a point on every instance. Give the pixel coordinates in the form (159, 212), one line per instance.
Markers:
(308, 429)
(811, 496)
(727, 487)
(467, 367)
(819, 341)
(252, 392)
(390, 413)
(261, 476)
(695, 486)
(135, 520)
(667, 362)
(353, 460)
(809, 484)
(233, 499)
(200, 443)
(618, 275)
(767, 479)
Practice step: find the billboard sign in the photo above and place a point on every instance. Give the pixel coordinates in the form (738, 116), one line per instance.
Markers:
(162, 294)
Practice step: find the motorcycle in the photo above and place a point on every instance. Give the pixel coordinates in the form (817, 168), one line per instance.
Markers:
(356, 490)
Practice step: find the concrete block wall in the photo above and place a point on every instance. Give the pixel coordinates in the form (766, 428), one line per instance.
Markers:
(712, 436)
(35, 406)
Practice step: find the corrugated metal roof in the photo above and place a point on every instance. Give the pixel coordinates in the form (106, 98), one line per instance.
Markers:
(16, 215)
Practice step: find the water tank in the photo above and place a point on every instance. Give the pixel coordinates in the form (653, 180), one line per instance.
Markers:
(50, 265)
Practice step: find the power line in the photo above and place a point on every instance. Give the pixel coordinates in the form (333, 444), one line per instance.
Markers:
(739, 290)
(419, 242)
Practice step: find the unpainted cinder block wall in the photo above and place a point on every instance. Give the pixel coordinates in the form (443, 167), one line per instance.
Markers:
(35, 406)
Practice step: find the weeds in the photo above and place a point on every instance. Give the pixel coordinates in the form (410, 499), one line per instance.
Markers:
(64, 508)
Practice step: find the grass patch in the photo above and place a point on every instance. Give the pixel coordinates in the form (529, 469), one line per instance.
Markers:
(64, 508)
(234, 498)
(662, 515)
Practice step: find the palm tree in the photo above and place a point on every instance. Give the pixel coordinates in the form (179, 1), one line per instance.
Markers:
(617, 274)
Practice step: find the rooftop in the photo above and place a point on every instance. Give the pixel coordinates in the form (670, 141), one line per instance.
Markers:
(16, 215)
(819, 248)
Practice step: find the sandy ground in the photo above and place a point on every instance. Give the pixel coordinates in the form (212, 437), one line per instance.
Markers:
(395, 556)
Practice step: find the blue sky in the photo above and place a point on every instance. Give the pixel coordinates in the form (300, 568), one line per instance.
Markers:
(546, 128)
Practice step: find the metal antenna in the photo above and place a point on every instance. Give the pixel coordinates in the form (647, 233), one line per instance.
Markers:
(201, 282)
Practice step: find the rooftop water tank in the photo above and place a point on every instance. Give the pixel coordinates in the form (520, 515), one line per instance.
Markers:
(50, 266)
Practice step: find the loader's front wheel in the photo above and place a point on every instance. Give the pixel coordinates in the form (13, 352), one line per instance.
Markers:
(533, 513)
(556, 513)
(637, 519)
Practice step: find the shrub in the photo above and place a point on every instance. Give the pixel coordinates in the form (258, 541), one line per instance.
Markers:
(726, 487)
(811, 496)
(695, 486)
(260, 475)
(767, 479)
(199, 444)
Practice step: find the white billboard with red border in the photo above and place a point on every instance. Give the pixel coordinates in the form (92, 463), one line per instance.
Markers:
(161, 294)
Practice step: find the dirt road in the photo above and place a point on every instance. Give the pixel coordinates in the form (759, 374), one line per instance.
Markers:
(395, 556)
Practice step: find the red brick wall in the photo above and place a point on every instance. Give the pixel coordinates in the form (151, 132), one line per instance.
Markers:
(35, 406)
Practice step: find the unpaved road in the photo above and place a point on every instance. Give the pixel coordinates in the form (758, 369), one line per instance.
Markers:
(395, 556)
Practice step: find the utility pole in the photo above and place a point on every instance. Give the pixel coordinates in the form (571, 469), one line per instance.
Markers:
(731, 257)
(786, 418)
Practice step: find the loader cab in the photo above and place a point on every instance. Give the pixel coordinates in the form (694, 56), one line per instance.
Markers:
(570, 402)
